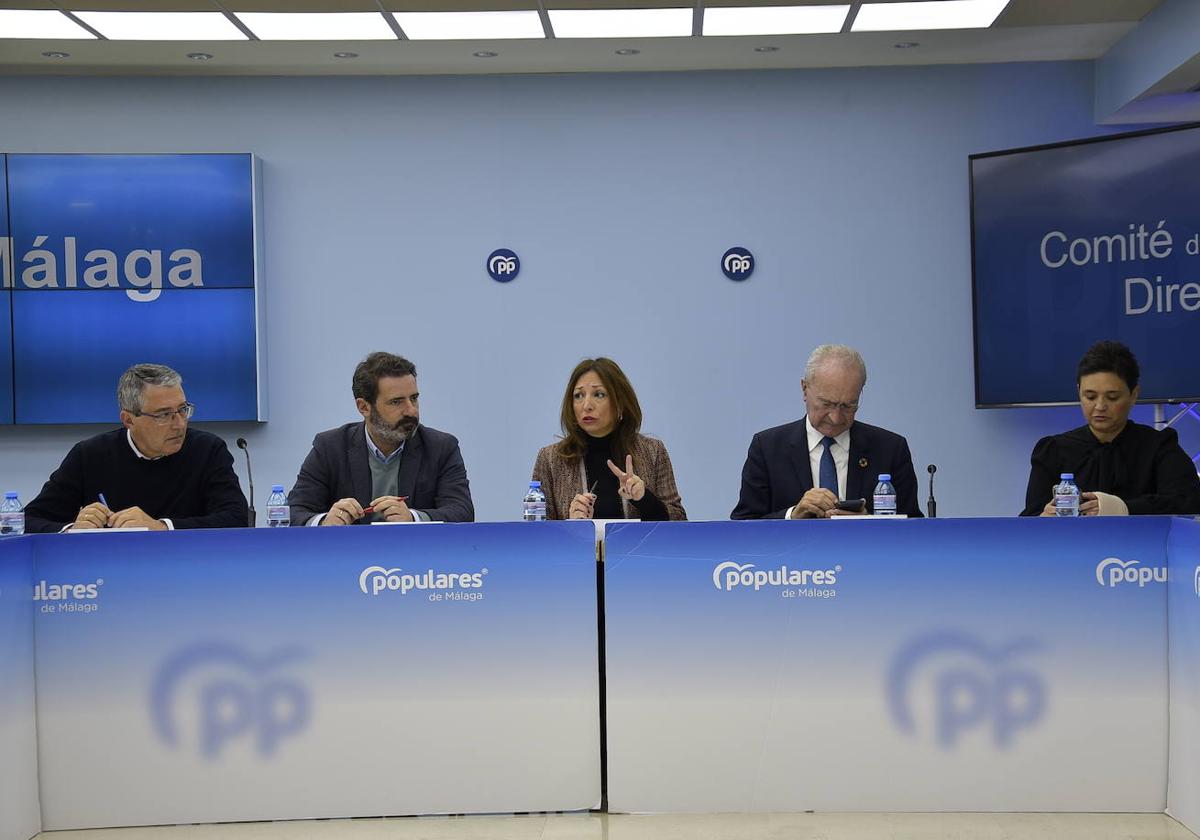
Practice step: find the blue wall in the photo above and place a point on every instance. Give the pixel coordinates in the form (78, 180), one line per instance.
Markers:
(383, 196)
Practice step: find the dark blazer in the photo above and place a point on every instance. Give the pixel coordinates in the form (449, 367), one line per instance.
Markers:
(432, 475)
(778, 472)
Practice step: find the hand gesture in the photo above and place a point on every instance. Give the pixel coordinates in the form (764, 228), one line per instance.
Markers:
(629, 485)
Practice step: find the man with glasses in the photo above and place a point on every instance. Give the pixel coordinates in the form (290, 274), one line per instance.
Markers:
(154, 472)
(801, 470)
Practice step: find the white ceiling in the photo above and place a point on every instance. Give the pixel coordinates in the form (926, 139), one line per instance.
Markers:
(1028, 30)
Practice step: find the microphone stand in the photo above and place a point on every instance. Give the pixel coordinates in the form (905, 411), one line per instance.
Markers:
(931, 503)
(253, 517)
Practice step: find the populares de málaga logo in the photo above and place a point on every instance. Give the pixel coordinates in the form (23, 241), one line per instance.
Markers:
(68, 597)
(1113, 571)
(441, 586)
(790, 583)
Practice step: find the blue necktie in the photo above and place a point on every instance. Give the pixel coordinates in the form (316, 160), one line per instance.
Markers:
(828, 469)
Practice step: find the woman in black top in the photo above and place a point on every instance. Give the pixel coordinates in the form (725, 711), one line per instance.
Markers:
(1120, 466)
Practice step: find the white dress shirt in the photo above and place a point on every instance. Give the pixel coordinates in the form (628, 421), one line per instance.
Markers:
(839, 449)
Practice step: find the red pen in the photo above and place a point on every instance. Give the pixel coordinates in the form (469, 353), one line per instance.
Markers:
(371, 508)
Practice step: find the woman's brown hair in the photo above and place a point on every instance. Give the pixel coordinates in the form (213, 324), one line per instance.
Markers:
(624, 403)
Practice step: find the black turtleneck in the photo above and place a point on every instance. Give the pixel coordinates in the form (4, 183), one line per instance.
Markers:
(608, 503)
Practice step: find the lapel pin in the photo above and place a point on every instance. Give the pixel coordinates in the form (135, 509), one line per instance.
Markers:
(862, 463)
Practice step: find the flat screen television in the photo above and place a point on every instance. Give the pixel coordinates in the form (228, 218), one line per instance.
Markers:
(1076, 242)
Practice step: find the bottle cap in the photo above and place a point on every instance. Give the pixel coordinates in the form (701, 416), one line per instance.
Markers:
(276, 488)
(885, 476)
(1066, 477)
(535, 484)
(11, 494)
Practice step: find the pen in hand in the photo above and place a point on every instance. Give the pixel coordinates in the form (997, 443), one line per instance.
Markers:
(369, 509)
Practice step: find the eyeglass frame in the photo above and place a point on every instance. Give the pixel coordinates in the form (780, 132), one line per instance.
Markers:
(164, 417)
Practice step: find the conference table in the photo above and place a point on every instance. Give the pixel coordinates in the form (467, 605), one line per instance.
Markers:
(917, 665)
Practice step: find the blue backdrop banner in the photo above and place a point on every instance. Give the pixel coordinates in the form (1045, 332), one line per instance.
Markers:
(118, 259)
(317, 672)
(919, 665)
(1081, 242)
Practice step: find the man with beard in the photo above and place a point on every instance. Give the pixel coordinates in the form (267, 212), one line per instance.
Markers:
(388, 468)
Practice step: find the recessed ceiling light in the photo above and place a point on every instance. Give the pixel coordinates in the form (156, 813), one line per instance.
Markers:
(627, 51)
(774, 20)
(465, 26)
(766, 49)
(318, 26)
(46, 23)
(200, 56)
(56, 54)
(621, 23)
(485, 54)
(162, 26)
(345, 55)
(907, 45)
(928, 14)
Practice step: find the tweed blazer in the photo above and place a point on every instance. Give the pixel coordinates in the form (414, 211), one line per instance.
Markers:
(560, 478)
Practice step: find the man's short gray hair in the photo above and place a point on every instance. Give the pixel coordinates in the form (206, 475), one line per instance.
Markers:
(837, 354)
(135, 380)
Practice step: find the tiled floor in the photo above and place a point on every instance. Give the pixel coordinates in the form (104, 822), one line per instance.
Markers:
(675, 827)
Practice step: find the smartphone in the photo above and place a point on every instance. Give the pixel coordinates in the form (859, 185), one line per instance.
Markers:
(853, 505)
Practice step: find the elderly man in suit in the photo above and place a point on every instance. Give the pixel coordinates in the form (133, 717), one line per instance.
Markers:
(800, 470)
(388, 467)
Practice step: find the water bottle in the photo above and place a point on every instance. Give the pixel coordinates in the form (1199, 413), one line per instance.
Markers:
(534, 506)
(885, 496)
(1066, 496)
(279, 515)
(12, 515)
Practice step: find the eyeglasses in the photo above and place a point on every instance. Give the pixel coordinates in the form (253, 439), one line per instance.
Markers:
(827, 405)
(162, 418)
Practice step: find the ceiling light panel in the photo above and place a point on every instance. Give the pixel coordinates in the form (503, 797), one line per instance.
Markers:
(318, 26)
(470, 26)
(162, 26)
(928, 14)
(33, 23)
(774, 20)
(621, 23)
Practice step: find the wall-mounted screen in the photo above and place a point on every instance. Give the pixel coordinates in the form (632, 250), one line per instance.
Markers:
(1078, 242)
(111, 260)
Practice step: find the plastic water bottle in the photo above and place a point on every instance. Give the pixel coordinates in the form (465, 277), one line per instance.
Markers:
(885, 496)
(1066, 496)
(534, 507)
(12, 515)
(279, 515)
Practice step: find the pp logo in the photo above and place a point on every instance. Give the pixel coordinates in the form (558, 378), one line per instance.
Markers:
(738, 263)
(1111, 571)
(966, 686)
(503, 265)
(224, 695)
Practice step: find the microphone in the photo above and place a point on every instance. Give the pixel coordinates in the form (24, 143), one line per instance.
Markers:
(241, 442)
(931, 503)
